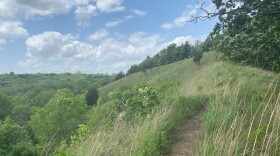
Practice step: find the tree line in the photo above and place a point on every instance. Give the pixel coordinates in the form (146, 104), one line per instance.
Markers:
(172, 53)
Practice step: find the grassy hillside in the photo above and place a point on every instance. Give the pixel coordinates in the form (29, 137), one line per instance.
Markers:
(242, 102)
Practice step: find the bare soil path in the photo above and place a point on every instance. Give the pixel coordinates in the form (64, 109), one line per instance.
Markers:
(187, 137)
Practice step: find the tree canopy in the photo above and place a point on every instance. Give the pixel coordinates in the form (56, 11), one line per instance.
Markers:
(248, 31)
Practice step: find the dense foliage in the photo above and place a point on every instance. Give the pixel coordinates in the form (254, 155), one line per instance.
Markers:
(249, 32)
(14, 140)
(5, 106)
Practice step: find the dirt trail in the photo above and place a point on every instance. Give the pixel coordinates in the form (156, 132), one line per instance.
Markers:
(187, 137)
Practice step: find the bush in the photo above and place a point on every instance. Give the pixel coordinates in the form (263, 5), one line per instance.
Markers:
(135, 101)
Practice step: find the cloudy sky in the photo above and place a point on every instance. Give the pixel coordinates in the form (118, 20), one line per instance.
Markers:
(92, 36)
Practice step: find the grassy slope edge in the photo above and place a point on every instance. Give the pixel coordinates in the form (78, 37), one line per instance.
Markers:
(185, 88)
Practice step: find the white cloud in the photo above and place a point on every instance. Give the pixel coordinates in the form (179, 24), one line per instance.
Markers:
(118, 21)
(128, 17)
(15, 9)
(167, 26)
(190, 12)
(55, 52)
(53, 45)
(185, 17)
(11, 30)
(136, 37)
(191, 39)
(114, 23)
(30, 63)
(110, 5)
(2, 41)
(50, 7)
(100, 34)
(181, 20)
(211, 8)
(139, 12)
(83, 15)
(8, 8)
(138, 45)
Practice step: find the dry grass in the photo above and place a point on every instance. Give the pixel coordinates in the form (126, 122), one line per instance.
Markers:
(124, 139)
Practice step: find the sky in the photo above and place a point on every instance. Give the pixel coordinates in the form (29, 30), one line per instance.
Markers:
(92, 36)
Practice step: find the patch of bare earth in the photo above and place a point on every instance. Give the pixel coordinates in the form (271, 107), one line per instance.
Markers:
(187, 137)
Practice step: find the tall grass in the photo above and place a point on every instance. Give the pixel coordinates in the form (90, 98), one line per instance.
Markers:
(144, 136)
(244, 123)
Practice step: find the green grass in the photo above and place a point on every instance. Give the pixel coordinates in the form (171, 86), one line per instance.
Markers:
(233, 94)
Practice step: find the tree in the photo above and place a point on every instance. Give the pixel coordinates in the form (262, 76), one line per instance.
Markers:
(207, 44)
(146, 64)
(43, 97)
(23, 109)
(92, 96)
(133, 69)
(119, 76)
(6, 106)
(14, 140)
(186, 50)
(248, 31)
(58, 119)
(197, 52)
(12, 73)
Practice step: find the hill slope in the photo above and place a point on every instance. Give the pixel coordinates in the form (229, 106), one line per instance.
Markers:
(232, 94)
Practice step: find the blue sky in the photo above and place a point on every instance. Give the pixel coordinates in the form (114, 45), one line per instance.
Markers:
(92, 36)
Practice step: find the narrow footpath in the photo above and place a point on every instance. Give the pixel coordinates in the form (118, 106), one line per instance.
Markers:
(187, 137)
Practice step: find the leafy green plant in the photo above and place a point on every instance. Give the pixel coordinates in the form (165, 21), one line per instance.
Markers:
(58, 119)
(82, 133)
(135, 101)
